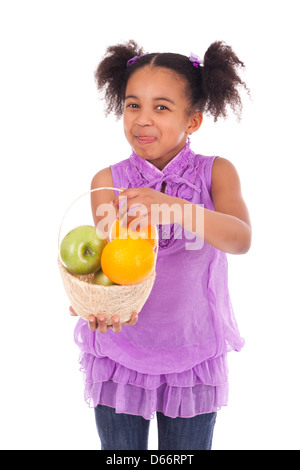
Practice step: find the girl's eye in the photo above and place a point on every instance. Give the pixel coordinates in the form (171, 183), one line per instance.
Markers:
(161, 107)
(133, 105)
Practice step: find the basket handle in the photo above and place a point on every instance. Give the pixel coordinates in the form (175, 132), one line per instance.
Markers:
(79, 197)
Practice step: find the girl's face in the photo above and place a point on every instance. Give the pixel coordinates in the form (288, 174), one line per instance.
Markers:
(156, 121)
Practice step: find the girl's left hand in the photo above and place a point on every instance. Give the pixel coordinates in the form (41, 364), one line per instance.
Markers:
(143, 205)
(100, 323)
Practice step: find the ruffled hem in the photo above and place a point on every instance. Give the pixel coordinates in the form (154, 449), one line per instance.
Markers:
(102, 369)
(174, 402)
(202, 389)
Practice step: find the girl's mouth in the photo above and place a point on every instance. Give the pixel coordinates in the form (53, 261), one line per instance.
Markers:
(145, 140)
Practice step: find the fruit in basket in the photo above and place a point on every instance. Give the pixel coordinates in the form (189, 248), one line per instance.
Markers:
(128, 261)
(148, 233)
(101, 279)
(81, 250)
(117, 230)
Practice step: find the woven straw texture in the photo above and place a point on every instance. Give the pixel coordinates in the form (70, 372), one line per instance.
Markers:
(88, 298)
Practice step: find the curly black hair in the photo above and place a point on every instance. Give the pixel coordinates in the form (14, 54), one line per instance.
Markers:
(210, 89)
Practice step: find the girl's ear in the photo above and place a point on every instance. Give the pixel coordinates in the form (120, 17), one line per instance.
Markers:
(194, 122)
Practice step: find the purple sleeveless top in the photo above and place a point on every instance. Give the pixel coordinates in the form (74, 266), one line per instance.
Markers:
(174, 359)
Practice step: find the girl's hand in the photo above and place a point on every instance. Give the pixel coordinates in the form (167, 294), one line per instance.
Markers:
(100, 323)
(144, 207)
(73, 313)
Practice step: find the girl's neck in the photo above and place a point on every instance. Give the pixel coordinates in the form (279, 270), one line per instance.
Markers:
(161, 163)
(146, 167)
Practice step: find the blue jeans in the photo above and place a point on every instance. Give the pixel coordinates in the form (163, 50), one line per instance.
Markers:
(118, 431)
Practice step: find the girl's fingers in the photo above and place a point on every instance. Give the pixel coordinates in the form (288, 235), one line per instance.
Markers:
(137, 223)
(102, 326)
(99, 323)
(73, 313)
(134, 318)
(92, 323)
(116, 324)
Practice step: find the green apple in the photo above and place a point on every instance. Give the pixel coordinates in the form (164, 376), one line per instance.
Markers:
(81, 250)
(101, 279)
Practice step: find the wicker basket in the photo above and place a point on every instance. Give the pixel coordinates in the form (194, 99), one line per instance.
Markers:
(88, 298)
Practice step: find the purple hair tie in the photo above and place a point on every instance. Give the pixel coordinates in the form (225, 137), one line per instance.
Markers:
(134, 59)
(196, 61)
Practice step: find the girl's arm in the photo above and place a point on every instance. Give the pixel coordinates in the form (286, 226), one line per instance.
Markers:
(228, 227)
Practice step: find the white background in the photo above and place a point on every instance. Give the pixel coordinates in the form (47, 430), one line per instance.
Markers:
(54, 138)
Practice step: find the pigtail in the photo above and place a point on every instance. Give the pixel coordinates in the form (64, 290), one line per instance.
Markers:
(220, 80)
(210, 88)
(111, 75)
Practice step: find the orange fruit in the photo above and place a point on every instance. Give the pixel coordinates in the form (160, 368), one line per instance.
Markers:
(148, 233)
(127, 261)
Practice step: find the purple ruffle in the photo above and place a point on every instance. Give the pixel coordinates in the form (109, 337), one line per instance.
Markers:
(202, 389)
(181, 174)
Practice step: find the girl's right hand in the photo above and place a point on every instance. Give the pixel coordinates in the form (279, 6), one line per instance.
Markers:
(98, 322)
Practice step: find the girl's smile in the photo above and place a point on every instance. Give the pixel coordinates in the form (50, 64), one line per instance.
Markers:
(156, 121)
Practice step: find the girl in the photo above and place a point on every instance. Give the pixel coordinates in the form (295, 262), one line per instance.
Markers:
(171, 359)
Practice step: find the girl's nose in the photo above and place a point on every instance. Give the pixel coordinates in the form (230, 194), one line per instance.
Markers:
(144, 119)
